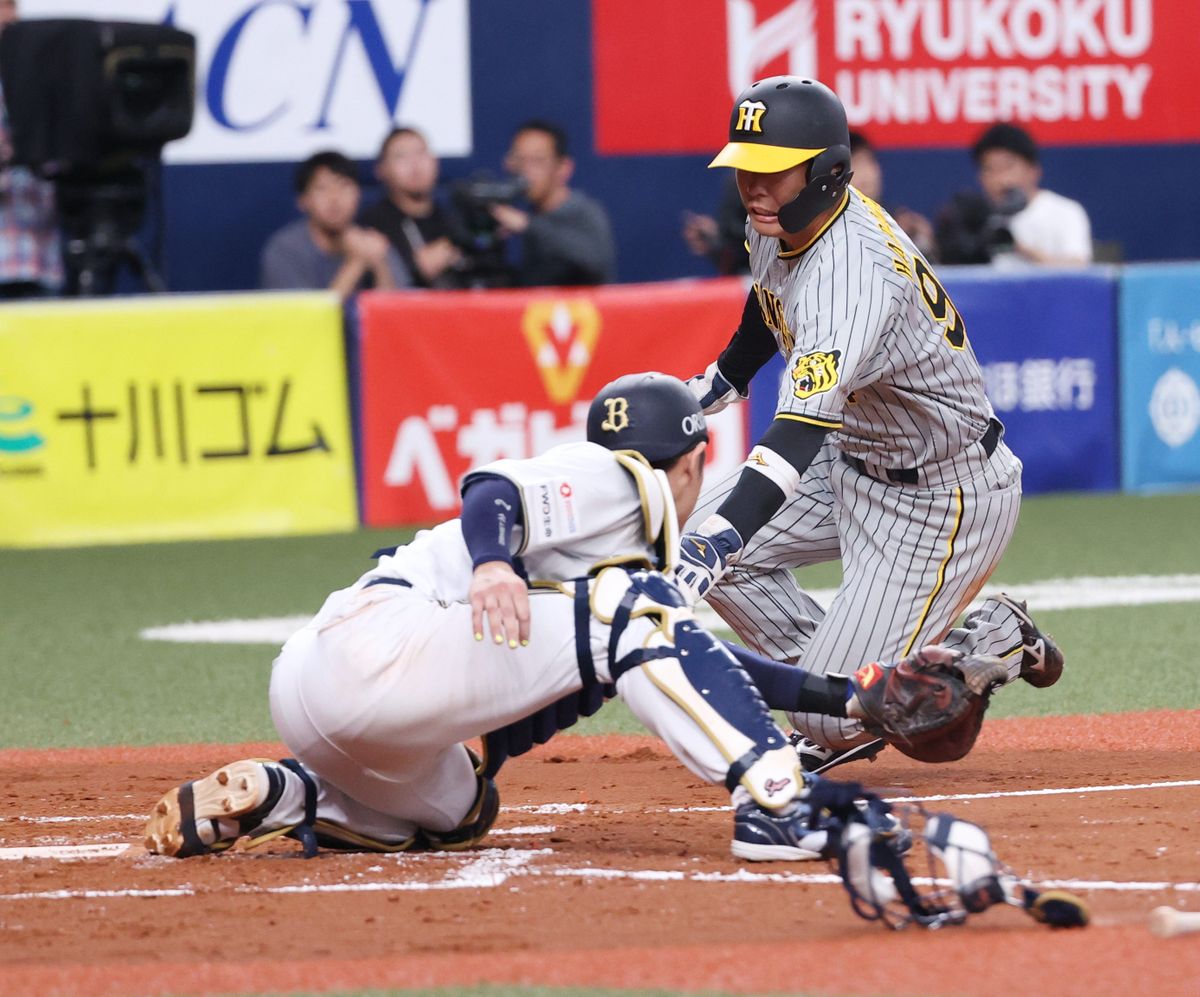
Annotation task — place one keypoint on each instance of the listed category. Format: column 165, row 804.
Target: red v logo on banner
column 562, row 337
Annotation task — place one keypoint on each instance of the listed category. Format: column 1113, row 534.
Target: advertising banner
column 276, row 80
column 173, row 418
column 1047, row 345
column 918, row 73
column 1160, row 375
column 451, row 380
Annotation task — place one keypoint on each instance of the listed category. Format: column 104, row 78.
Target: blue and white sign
column 1046, row 341
column 1160, row 385
column 1047, row 344
column 277, row 80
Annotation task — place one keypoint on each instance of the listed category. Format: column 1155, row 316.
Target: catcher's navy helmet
column 654, row 414
column 781, row 122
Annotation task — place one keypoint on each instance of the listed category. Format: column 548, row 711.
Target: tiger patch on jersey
column 815, row 372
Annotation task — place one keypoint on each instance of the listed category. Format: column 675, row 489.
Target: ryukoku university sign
column 917, row 73
column 278, row 79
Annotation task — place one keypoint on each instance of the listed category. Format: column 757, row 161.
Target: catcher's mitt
column 929, row 705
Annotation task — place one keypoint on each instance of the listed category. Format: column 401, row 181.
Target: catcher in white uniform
column 884, row 452
column 541, row 601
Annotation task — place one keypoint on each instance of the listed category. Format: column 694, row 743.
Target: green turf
column 74, row 671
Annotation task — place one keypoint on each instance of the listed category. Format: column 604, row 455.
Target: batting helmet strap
column 824, row 190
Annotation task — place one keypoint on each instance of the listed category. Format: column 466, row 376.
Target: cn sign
column 915, row 72
column 278, row 79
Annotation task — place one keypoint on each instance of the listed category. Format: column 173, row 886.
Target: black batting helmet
column 781, row 122
column 654, row 414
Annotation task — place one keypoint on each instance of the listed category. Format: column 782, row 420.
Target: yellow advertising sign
column 166, row 418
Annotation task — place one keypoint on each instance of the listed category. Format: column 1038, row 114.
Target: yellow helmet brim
column 758, row 158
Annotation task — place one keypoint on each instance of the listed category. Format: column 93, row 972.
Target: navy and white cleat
column 816, row 758
column 765, row 836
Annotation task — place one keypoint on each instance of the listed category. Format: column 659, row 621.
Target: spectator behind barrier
column 1016, row 222
column 30, row 246
column 722, row 240
column 567, row 237
column 325, row 249
column 421, row 229
column 868, row 178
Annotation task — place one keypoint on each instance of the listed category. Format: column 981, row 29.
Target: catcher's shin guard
column 699, row 675
column 210, row 814
column 473, row 828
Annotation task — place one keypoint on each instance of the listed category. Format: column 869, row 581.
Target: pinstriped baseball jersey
column 877, row 352
column 875, row 347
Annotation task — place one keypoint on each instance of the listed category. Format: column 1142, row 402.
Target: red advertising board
column 451, row 380
column 912, row 73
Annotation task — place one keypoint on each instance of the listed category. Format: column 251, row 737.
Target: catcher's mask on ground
column 785, row 121
column 871, row 861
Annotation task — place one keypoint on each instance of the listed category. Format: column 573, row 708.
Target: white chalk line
column 95, row 850
column 527, row 830
column 495, row 867
column 78, row 818
column 491, row 868
column 1046, row 595
column 580, row 808
column 63, row 853
column 1128, row 787
column 1005, row 794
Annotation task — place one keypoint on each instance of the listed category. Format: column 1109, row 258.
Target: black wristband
column 789, row 687
column 755, row 498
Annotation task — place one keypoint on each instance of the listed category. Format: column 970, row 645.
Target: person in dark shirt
column 420, row 229
column 325, row 249
column 720, row 239
column 567, row 237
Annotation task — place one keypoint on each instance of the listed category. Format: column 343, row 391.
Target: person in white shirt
column 1046, row 228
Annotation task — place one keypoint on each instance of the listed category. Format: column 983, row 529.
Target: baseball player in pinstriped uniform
column 560, row 556
column 884, row 453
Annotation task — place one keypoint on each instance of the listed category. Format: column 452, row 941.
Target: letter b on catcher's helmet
column 781, row 122
column 653, row 414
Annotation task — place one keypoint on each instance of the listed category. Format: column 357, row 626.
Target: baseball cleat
column 816, row 758
column 1042, row 661
column 210, row 814
column 765, row 836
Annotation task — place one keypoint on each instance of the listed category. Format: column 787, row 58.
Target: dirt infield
column 609, row 866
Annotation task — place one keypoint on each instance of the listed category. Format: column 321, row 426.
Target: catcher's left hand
column 929, row 705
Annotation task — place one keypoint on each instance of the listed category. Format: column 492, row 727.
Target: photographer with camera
column 1016, row 222
column 566, row 237
column 422, row 231
column 30, row 247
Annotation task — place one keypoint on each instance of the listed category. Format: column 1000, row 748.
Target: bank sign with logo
column 916, row 73
column 276, row 80
column 1160, row 375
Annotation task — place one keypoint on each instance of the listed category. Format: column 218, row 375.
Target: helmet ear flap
column 823, row 191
